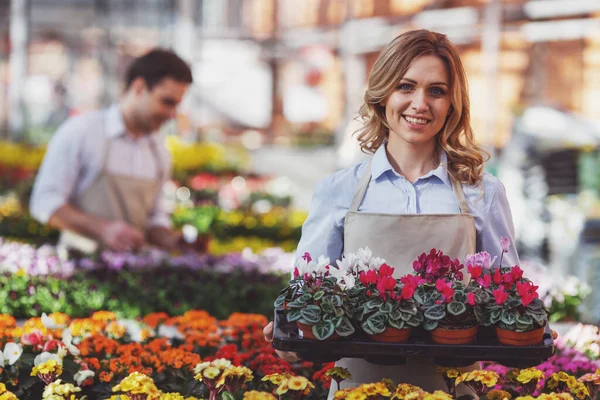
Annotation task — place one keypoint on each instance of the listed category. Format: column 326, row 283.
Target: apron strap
column 459, row 194
column 365, row 178
column 362, row 188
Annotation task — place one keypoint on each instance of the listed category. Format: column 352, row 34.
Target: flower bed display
column 34, row 281
column 195, row 356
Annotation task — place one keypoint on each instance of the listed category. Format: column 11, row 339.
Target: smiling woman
column 423, row 188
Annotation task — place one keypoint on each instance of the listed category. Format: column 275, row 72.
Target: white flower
column 49, row 322
column 12, row 352
column 318, row 266
column 169, row 332
column 221, row 363
column 82, row 375
column 62, row 351
column 1, row 359
column 349, row 281
column 67, row 339
column 201, row 367
column 45, row 356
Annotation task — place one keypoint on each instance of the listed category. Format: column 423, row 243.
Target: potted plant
column 513, row 305
column 450, row 308
column 384, row 307
column 316, row 301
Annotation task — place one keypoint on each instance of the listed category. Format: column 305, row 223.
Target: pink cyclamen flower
column 505, row 243
column 471, row 299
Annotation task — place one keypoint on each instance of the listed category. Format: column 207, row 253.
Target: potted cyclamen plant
column 514, row 306
column 450, row 308
column 385, row 308
column 316, row 301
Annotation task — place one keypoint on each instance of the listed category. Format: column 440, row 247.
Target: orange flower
column 155, row 319
column 105, row 376
column 104, row 317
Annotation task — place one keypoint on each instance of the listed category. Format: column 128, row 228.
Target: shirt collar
column 380, row 165
column 115, row 126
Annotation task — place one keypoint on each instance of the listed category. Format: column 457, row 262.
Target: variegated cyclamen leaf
column 318, row 295
column 304, row 298
column 430, row 325
column 327, row 307
column 311, row 314
column 395, row 315
column 386, row 308
column 337, row 301
column 456, row 308
column 408, row 308
column 459, row 296
column 279, row 301
column 435, row 312
column 294, row 315
column 524, row 319
column 416, row 320
column 345, row 328
column 323, row 330
column 377, row 323
column 397, row 324
column 508, row 318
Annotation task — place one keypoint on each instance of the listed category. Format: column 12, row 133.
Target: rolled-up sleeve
column 56, row 178
column 322, row 235
column 498, row 224
column 160, row 216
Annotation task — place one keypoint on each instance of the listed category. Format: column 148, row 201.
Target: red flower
column 368, row 277
column 385, row 283
column 517, row 273
column 500, row 296
column 407, row 292
column 485, row 281
column 385, row 270
column 475, row 271
column 445, row 288
column 471, row 299
column 527, row 291
column 497, row 277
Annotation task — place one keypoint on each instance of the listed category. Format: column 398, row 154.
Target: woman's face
column 417, row 108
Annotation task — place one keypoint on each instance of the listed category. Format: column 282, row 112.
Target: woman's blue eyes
column 435, row 91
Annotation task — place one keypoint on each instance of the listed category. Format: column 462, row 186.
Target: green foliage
column 133, row 293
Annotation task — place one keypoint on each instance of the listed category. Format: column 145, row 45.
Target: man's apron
column 400, row 239
column 115, row 197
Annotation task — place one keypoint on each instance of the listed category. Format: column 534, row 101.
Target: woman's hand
column 285, row 355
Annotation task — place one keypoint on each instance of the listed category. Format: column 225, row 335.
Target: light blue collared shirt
column 389, row 192
column 75, row 155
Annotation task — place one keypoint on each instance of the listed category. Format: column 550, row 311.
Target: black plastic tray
column 485, row 348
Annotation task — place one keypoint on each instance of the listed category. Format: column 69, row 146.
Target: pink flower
column 35, row 339
column 471, row 299
column 483, row 259
column 505, row 243
column 307, row 257
column 296, row 272
column 385, row 270
column 407, row 292
column 385, row 283
column 517, row 273
column 51, row 345
column 500, row 296
column 527, row 291
column 445, row 288
column 498, row 278
column 475, row 271
column 485, row 281
column 368, row 277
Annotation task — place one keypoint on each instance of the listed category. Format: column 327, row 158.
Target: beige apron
column 400, row 239
column 115, row 197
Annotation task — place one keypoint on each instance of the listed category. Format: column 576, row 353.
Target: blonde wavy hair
column 465, row 158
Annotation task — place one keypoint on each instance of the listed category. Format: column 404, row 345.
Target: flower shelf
column 485, row 348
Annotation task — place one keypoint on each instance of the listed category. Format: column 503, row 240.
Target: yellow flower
column 297, row 383
column 137, row 383
column 437, row 395
column 49, row 367
column 525, row 398
column 579, row 390
column 341, row 394
column 489, row 379
column 498, row 395
column 8, row 396
column 339, row 373
column 172, row 396
column 529, row 374
column 462, row 378
column 116, row 330
column 119, row 397
column 2, row 388
column 405, row 389
column 221, row 363
column 56, row 388
column 255, row 395
column 275, row 379
column 282, row 388
column 356, row 395
column 233, row 372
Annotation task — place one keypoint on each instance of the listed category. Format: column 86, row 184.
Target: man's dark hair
column 157, row 65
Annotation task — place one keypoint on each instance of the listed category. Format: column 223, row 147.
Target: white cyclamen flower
column 12, row 353
column 68, row 342
column 49, row 323
column 45, row 356
column 82, row 375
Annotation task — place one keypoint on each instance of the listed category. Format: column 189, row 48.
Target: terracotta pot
column 307, row 332
column 454, row 336
column 392, row 335
column 513, row 338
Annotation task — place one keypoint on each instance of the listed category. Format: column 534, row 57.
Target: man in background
column 101, row 179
